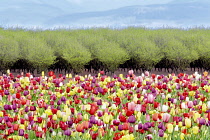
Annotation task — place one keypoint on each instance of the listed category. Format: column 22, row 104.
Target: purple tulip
column 21, row 132
column 90, row 125
column 1, row 119
column 6, row 118
column 29, row 127
column 120, row 127
column 92, row 119
column 14, row 106
column 202, row 121
column 149, row 124
column 26, row 92
column 100, row 113
column 6, row 92
column 195, row 102
column 6, row 107
column 59, row 102
column 70, row 123
column 99, row 102
column 182, row 97
column 160, row 126
column 100, row 90
column 132, row 119
column 58, row 107
column 161, row 133
column 67, row 132
column 63, row 99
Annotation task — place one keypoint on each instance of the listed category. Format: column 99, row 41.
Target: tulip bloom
column 166, row 117
column 195, row 129
column 21, row 132
column 132, row 119
column 131, row 106
column 150, row 98
column 170, row 128
column 161, row 133
column 165, row 108
column 155, row 116
column 188, row 123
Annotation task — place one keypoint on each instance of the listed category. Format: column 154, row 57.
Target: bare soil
column 163, row 72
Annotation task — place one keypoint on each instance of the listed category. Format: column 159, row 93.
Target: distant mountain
column 173, row 14
column 43, row 14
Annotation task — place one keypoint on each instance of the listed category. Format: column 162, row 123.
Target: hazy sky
column 39, row 12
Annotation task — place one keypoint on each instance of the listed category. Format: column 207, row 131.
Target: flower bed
column 102, row 107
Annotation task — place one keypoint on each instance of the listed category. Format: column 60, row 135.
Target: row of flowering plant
column 124, row 107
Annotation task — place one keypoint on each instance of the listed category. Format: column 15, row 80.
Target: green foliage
column 76, row 55
column 106, row 47
column 9, row 52
column 39, row 54
column 110, row 54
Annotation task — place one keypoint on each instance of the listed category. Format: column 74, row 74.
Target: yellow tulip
column 106, row 119
column 138, row 116
column 180, row 124
column 188, row 123
column 192, row 93
column 82, row 78
column 16, row 137
column 127, row 137
column 165, row 135
column 1, row 114
column 170, row 128
column 86, row 117
column 68, row 112
column 64, row 118
column 48, row 112
column 204, row 107
column 21, row 126
column 8, row 71
column 121, row 76
column 172, row 112
column 195, row 129
column 55, row 117
column 95, row 128
column 43, row 73
column 196, row 115
column 72, row 93
column 182, row 136
column 59, row 114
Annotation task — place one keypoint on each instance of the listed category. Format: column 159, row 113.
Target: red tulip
column 18, row 95
column 50, row 73
column 122, row 118
column 16, row 127
column 155, row 116
column 26, row 136
column 79, row 127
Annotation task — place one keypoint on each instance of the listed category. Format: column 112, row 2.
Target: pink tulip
column 148, row 117
column 131, row 106
column 146, row 73
column 190, row 104
column 166, row 117
column 130, row 72
column 138, row 108
column 150, row 98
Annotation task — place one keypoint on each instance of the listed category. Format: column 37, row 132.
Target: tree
column 9, row 52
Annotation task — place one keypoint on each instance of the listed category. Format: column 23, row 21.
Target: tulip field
column 101, row 107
